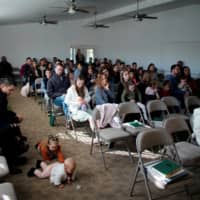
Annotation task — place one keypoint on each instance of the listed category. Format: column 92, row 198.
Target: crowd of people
column 78, row 87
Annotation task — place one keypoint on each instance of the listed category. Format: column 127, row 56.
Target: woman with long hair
column 103, row 93
column 77, row 99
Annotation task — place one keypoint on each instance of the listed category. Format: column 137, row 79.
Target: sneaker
column 31, row 172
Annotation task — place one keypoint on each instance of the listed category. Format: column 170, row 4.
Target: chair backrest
column 172, row 104
column 38, row 80
column 175, row 126
column 38, row 83
column 129, row 108
column 96, row 115
column 156, row 106
column 191, row 102
column 152, row 137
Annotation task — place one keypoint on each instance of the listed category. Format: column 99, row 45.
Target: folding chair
column 189, row 153
column 7, row 191
column 38, row 90
column 173, row 107
column 191, row 102
column 148, row 139
column 157, row 112
column 79, row 123
column 130, row 111
column 107, row 135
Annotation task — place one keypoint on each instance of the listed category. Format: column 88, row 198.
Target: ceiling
column 27, row 11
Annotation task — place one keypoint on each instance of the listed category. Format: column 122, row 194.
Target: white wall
column 35, row 40
column 174, row 35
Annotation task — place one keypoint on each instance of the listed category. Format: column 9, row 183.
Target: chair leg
column 188, row 192
column 129, row 153
column 92, row 144
column 74, row 129
column 146, row 182
column 102, row 154
column 134, row 179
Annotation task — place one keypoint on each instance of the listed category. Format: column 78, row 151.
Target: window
column 88, row 52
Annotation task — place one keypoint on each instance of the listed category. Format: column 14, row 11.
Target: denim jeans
column 59, row 101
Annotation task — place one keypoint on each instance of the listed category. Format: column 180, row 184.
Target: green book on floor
column 167, row 167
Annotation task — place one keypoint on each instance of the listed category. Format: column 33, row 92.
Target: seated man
column 57, row 87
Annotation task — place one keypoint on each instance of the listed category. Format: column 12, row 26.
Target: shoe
column 15, row 171
column 31, row 172
column 38, row 162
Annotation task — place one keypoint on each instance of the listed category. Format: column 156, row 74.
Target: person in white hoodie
column 196, row 125
column 77, row 100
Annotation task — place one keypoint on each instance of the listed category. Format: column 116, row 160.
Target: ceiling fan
column 95, row 25
column 44, row 21
column 140, row 16
column 72, row 7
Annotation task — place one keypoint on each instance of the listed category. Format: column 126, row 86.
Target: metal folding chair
column 189, row 153
column 157, row 112
column 107, row 135
column 148, row 139
column 191, row 102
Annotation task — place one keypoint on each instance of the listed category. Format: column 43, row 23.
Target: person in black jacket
column 12, row 142
column 6, row 68
column 57, row 87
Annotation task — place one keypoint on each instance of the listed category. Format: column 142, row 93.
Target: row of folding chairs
column 184, row 152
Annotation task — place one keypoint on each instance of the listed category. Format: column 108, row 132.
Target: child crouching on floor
column 50, row 149
column 59, row 173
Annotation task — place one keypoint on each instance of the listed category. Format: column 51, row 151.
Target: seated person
column 173, row 78
column 151, row 92
column 57, row 87
column 166, row 89
column 90, row 79
column 59, row 173
column 131, row 93
column 50, row 149
column 103, row 93
column 12, row 142
column 184, row 86
column 77, row 99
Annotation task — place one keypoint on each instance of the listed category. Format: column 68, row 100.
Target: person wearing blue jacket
column 103, row 93
column 57, row 87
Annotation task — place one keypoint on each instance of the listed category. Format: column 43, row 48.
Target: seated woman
column 131, row 93
column 103, row 93
column 90, row 79
column 77, row 99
